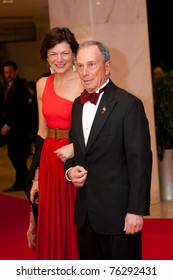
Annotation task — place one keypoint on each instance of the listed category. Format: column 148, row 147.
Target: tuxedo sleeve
column 139, row 158
column 71, row 161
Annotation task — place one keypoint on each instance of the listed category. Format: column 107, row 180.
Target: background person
column 112, row 164
column 2, row 138
column 157, row 72
column 33, row 109
column 15, row 125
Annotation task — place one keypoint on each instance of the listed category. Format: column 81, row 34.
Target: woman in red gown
column 56, row 234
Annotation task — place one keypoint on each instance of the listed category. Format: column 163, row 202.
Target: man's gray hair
column 102, row 48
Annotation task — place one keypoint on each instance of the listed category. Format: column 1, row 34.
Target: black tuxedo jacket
column 118, row 159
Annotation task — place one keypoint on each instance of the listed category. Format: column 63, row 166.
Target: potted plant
column 163, row 108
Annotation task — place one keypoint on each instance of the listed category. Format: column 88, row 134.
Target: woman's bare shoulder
column 41, row 81
column 78, row 81
column 41, row 84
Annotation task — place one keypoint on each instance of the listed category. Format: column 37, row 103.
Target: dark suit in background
column 16, row 124
column 115, row 191
column 2, row 139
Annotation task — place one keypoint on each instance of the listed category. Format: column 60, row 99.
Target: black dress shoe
column 13, row 189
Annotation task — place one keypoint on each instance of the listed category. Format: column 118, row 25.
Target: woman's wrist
column 34, row 180
column 36, row 175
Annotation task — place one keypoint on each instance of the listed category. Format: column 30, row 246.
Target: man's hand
column 133, row 223
column 77, row 175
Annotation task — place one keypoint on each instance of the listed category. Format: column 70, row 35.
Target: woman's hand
column 65, row 152
column 34, row 192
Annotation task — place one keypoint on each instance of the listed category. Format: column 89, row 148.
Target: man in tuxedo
column 16, row 123
column 112, row 164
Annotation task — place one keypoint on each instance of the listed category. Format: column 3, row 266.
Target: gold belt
column 58, row 133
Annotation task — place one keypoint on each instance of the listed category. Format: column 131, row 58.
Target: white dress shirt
column 88, row 114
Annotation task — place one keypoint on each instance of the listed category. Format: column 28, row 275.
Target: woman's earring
column 73, row 65
column 51, row 70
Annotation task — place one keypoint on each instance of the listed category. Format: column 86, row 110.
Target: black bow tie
column 92, row 97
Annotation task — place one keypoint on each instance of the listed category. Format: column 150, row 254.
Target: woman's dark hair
column 55, row 36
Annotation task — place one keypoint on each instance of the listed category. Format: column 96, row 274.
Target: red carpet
column 14, row 217
column 158, row 239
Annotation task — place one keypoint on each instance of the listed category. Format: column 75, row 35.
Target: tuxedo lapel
column 78, row 126
column 105, row 108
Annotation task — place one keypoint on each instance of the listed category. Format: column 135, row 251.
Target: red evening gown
column 56, row 232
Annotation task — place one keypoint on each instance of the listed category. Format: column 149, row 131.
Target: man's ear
column 108, row 66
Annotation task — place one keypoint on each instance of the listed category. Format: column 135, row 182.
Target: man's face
column 9, row 73
column 92, row 70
